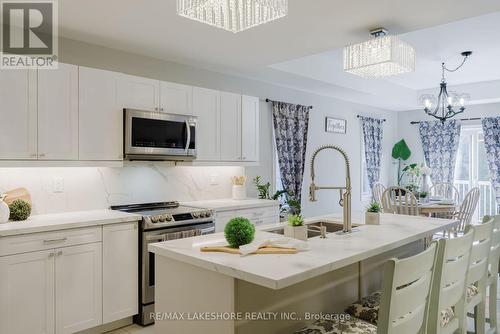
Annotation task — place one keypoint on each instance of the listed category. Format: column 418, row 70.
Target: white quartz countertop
column 277, row 271
column 61, row 221
column 231, row 204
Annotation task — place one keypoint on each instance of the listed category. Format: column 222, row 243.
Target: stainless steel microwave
column 158, row 136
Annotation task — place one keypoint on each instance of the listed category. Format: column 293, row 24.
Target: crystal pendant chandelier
column 447, row 104
column 233, row 15
column 382, row 56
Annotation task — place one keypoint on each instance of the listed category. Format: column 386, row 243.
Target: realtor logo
column 29, row 34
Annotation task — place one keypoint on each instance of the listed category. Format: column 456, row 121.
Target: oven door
column 148, row 261
column 157, row 136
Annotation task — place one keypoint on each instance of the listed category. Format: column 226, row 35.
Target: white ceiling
column 433, row 46
column 313, row 27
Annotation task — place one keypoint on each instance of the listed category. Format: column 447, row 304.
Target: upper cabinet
column 101, row 115
column 206, row 106
column 58, row 113
column 249, row 128
column 75, row 113
column 176, row 98
column 139, row 93
column 230, row 126
column 18, row 126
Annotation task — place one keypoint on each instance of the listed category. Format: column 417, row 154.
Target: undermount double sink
column 331, row 227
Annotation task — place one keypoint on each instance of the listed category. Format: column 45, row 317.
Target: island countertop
column 325, row 255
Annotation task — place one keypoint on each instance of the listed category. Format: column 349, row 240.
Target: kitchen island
column 277, row 293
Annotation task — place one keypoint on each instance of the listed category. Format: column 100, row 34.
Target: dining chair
column 477, row 275
column 377, row 192
column 446, row 190
column 467, row 209
column 404, row 301
column 492, row 283
column 447, row 301
column 399, row 200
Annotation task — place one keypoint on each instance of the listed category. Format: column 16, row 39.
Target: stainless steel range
column 162, row 222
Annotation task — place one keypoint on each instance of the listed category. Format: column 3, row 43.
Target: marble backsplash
column 89, row 188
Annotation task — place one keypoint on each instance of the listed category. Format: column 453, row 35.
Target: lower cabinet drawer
column 259, row 213
column 49, row 240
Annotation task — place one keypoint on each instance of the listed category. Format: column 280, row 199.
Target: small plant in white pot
column 372, row 215
column 296, row 228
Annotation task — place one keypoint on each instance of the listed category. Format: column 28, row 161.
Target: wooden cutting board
column 262, row 250
column 18, row 193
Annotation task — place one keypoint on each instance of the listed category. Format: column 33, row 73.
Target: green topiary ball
column 19, row 210
column 239, row 231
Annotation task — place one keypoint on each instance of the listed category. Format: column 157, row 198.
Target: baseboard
column 108, row 327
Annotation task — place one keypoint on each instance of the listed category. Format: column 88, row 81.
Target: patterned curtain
column 491, row 130
column 290, row 128
column 372, row 135
column 440, row 143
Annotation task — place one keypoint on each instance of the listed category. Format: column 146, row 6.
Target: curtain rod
column 358, row 116
column 268, row 100
column 461, row 119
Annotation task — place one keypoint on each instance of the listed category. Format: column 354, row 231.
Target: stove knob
column 169, row 218
column 195, row 214
column 154, row 219
column 162, row 218
column 209, row 214
column 203, row 214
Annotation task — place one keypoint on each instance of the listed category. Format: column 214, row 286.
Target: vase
column 4, row 212
column 425, row 188
column 239, row 192
column 296, row 232
column 372, row 218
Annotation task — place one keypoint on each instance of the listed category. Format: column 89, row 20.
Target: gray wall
column 330, row 169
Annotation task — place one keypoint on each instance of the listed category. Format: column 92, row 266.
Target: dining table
column 435, row 208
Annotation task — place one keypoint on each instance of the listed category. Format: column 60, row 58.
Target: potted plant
column 288, row 203
column 372, row 215
column 296, row 228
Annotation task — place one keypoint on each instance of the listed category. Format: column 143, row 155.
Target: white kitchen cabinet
column 120, row 271
column 100, row 115
column 139, row 93
column 230, row 126
column 78, row 287
column 249, row 128
column 206, row 106
column 176, row 98
column 18, row 114
column 27, row 293
column 58, row 113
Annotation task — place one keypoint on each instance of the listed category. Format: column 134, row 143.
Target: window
column 471, row 170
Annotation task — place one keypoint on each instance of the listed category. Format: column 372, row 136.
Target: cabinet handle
column 53, row 241
column 161, row 109
column 33, row 155
column 41, row 155
column 51, row 254
column 244, row 158
column 156, row 109
column 59, row 253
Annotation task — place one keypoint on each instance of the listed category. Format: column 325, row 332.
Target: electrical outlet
column 214, row 179
column 58, row 185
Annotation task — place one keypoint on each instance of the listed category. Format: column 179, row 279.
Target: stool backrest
column 399, row 200
column 495, row 246
column 479, row 259
column 448, row 284
column 405, row 293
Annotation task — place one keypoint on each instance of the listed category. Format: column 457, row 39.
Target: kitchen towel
column 282, row 242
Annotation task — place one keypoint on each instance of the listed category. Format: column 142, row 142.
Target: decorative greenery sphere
column 19, row 210
column 239, row 231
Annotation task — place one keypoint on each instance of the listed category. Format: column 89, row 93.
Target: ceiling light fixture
column 382, row 56
column 233, row 15
column 447, row 104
